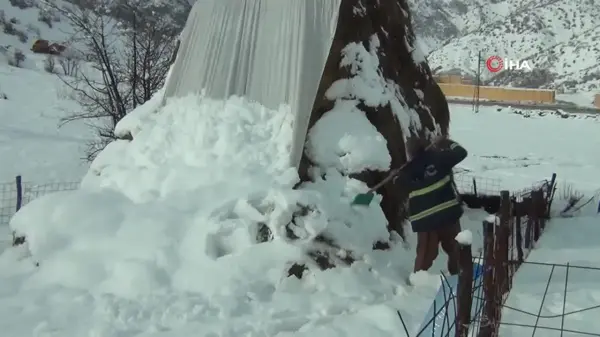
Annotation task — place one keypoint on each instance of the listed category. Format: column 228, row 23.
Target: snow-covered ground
column 583, row 98
column 540, row 289
column 164, row 242
column 161, row 241
column 520, row 149
column 21, row 27
column 31, row 143
column 28, row 27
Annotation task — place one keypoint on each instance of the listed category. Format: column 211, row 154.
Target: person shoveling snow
column 434, row 206
column 433, row 202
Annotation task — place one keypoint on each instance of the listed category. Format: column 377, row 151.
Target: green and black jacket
column 433, row 200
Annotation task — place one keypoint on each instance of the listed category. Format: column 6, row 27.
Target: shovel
column 364, row 199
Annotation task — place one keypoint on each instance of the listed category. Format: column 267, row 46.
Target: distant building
column 455, row 76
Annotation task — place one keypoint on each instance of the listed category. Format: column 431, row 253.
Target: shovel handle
column 393, row 173
column 387, row 179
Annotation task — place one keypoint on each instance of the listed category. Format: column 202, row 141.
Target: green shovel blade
column 363, row 199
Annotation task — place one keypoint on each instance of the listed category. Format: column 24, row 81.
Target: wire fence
column 477, row 306
column 522, row 320
column 17, row 194
column 469, row 184
column 481, row 300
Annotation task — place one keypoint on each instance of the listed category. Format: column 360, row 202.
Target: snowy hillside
column 555, row 36
column 22, row 22
column 439, row 21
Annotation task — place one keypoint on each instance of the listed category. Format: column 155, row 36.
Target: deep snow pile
column 200, row 205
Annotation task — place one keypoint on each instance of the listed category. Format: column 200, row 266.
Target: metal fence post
column 19, row 193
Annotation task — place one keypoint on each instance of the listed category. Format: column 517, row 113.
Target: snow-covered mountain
column 556, row 38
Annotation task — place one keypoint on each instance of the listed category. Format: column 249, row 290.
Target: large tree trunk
column 399, row 63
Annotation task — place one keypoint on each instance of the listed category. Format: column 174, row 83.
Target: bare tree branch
column 127, row 46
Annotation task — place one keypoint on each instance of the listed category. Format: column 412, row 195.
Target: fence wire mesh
column 442, row 323
column 16, row 194
column 468, row 183
column 539, row 302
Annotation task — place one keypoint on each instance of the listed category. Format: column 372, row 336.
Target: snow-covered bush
column 50, row 64
column 11, row 29
column 48, row 15
column 573, row 202
column 23, row 4
column 34, row 30
column 16, row 58
column 45, row 18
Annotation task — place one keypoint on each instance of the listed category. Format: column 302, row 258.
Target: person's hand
column 436, row 141
column 440, row 138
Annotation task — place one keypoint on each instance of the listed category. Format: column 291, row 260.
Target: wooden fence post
column 487, row 327
column 519, row 236
column 18, row 240
column 19, row 193
column 550, row 196
column 502, row 239
column 528, row 205
column 465, row 290
column 542, row 209
column 535, row 214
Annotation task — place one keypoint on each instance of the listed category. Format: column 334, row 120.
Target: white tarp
column 270, row 51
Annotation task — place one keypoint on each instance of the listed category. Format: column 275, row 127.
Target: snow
column 28, row 28
column 465, row 238
column 418, row 53
column 352, row 149
column 556, row 36
column 161, row 240
column 248, row 33
column 369, row 87
column 28, row 23
column 571, row 243
column 520, row 148
column 161, row 159
column 492, row 219
column 31, row 144
column 585, row 99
